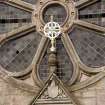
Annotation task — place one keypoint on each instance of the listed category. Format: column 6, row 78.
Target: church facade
column 52, row 52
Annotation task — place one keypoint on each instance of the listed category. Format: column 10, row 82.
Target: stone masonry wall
column 92, row 95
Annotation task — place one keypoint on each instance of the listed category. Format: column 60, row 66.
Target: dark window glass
column 12, row 18
column 17, row 54
column 58, row 12
column 90, row 46
column 64, row 67
column 94, row 13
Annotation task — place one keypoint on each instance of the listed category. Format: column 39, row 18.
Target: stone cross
column 52, row 30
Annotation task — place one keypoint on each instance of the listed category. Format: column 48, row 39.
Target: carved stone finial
column 52, row 61
column 52, row 30
column 52, row 18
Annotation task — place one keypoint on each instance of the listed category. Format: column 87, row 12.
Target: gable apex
column 48, row 94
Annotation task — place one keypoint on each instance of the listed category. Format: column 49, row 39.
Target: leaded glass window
column 12, row 18
column 22, row 43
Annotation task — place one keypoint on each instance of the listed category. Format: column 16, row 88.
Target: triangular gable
column 63, row 96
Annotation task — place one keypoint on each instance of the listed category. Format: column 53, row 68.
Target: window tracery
column 90, row 36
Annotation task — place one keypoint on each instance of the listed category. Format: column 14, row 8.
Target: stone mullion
column 37, row 59
column 90, row 26
column 83, row 3
column 13, row 33
column 87, row 82
column 21, row 4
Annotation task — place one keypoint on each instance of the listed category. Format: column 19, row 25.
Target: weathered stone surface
column 10, row 95
column 93, row 95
